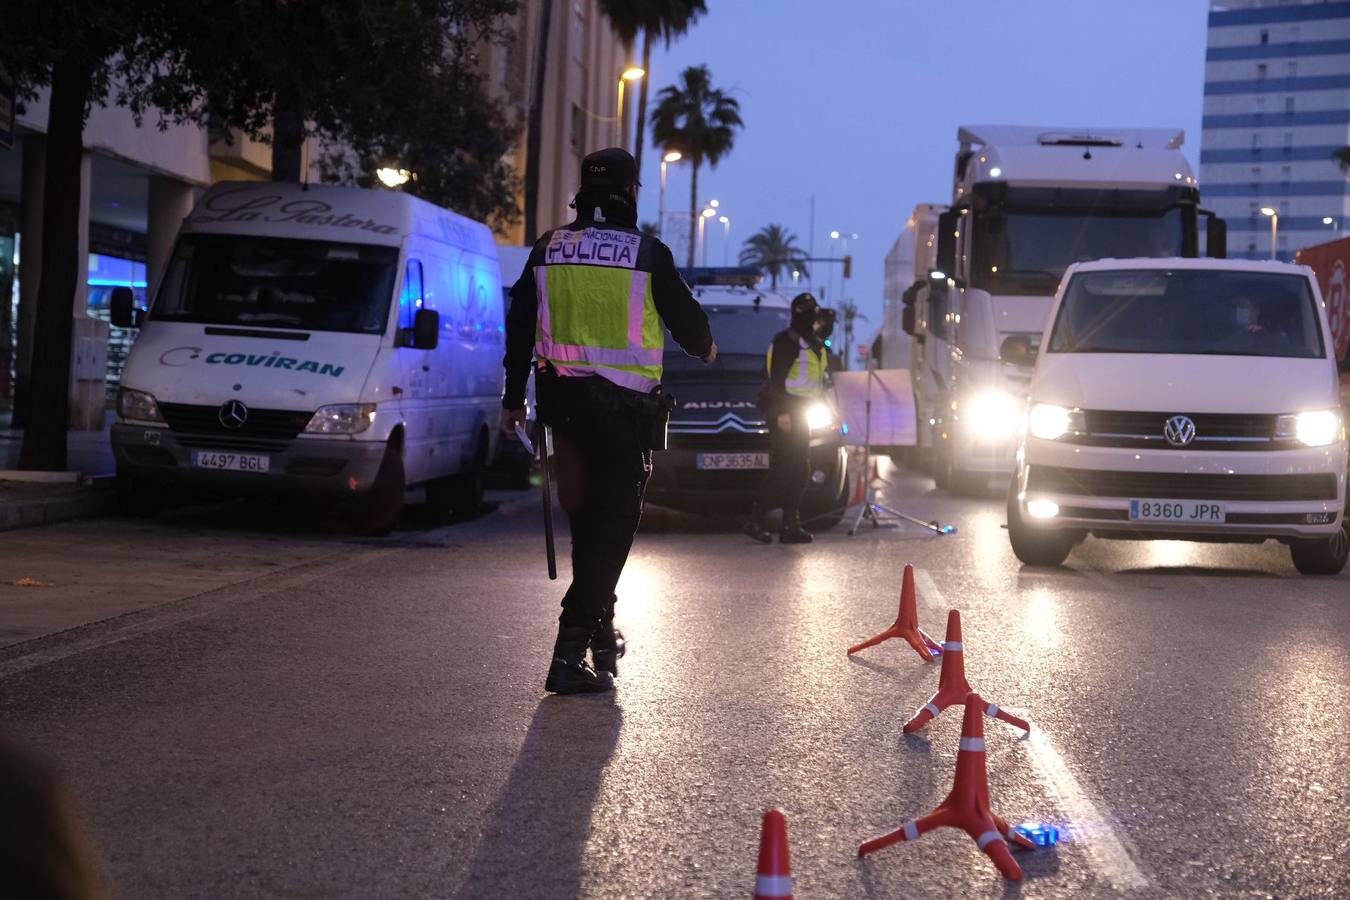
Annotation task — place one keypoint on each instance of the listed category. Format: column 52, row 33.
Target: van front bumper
column 303, row 466
column 1283, row 494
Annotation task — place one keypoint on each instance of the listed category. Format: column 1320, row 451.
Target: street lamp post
column 632, row 73
column 708, row 212
column 726, row 238
column 1333, row 223
column 843, row 237
column 672, row 156
column 1274, row 230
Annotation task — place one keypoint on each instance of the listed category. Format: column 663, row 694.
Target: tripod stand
column 872, row 509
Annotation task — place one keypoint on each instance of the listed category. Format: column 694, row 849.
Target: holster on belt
column 556, row 396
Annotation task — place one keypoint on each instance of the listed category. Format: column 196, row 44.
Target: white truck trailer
column 1026, row 203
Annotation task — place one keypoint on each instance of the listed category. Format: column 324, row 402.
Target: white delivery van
column 1183, row 399
column 320, row 341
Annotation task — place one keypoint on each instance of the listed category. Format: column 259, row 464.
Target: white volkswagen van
column 320, row 341
column 1186, row 399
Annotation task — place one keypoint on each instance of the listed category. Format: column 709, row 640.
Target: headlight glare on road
column 341, row 418
column 819, row 417
column 137, row 406
column 993, row 415
column 1317, row 428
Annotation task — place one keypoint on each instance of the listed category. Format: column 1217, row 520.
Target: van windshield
column 743, row 335
column 1188, row 311
column 222, row 279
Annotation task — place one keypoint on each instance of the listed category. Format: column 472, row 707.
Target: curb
column 31, row 514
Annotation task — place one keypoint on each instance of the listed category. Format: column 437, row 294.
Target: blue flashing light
column 844, row 428
column 1039, row 833
column 828, row 343
column 100, row 282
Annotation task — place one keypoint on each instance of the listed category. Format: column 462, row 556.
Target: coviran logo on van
column 593, row 246
column 246, row 205
column 273, row 361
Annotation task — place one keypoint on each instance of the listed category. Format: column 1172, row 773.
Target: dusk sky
column 857, row 102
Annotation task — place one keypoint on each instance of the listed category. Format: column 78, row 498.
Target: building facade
column 580, row 101
column 1277, row 107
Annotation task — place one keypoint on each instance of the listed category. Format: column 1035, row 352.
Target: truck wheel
column 1323, row 557
column 377, row 512
column 1036, row 546
column 138, row 497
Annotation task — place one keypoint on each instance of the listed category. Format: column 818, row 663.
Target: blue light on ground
column 1039, row 833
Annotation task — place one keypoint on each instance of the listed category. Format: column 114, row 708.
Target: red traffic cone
column 773, row 881
column 967, row 806
column 952, row 685
column 906, row 625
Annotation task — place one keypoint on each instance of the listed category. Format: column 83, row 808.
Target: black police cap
column 804, row 302
column 611, row 169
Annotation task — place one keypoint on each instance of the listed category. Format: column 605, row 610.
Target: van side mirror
column 1016, row 350
column 122, row 308
column 1216, row 237
column 426, row 330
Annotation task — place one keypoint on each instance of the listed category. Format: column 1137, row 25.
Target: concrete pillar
column 170, row 202
column 34, row 148
column 89, row 344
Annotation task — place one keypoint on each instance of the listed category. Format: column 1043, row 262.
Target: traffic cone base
column 967, row 806
column 773, row 877
column 953, row 688
column 906, row 625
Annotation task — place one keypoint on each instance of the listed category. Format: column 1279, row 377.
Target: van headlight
column 341, row 418
column 1316, row 428
column 1050, row 422
column 137, row 406
column 992, row 415
column 819, row 417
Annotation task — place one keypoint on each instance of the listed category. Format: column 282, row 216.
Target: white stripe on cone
column 932, row 709
column 972, row 745
column 987, row 838
column 911, row 831
column 773, row 886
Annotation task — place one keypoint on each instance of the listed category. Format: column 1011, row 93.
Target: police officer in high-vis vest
column 796, row 365
column 589, row 310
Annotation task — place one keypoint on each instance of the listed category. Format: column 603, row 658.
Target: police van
column 316, row 341
column 718, row 451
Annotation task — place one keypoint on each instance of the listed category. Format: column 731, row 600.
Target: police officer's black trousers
column 789, row 466
column 602, row 474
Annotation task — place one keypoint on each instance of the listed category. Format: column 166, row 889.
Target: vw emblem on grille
column 1179, row 431
column 233, row 414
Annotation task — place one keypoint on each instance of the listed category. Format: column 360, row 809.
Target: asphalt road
column 322, row 716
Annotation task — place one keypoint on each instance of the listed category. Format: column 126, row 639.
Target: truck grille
column 1181, row 485
column 266, row 430
column 1213, row 431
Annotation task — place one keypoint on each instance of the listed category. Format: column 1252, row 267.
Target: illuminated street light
column 673, row 156
column 632, row 73
column 707, row 213
column 670, row 157
column 393, row 178
column 1274, row 230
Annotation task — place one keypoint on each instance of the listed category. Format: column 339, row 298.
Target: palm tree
column 1342, row 157
column 773, row 249
column 667, row 19
column 848, row 311
column 699, row 120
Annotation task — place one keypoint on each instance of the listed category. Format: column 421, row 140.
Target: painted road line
column 1108, row 851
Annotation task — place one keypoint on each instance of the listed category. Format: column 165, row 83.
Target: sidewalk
column 24, row 504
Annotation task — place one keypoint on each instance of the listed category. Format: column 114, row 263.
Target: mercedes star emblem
column 1179, row 431
column 233, row 414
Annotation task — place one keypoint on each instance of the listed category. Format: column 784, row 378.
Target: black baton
column 545, row 438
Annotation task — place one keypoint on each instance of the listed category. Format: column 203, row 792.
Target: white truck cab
column 1027, row 203
column 317, row 341
column 1185, row 399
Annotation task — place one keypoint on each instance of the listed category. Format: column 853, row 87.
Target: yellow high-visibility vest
column 806, row 378
column 596, row 312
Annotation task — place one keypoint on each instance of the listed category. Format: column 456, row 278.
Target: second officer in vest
column 591, row 309
column 796, row 364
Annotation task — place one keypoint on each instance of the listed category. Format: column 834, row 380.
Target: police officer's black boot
column 755, row 529
column 570, row 673
column 607, row 647
column 793, row 532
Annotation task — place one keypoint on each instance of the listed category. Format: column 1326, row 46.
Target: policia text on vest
column 588, row 316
